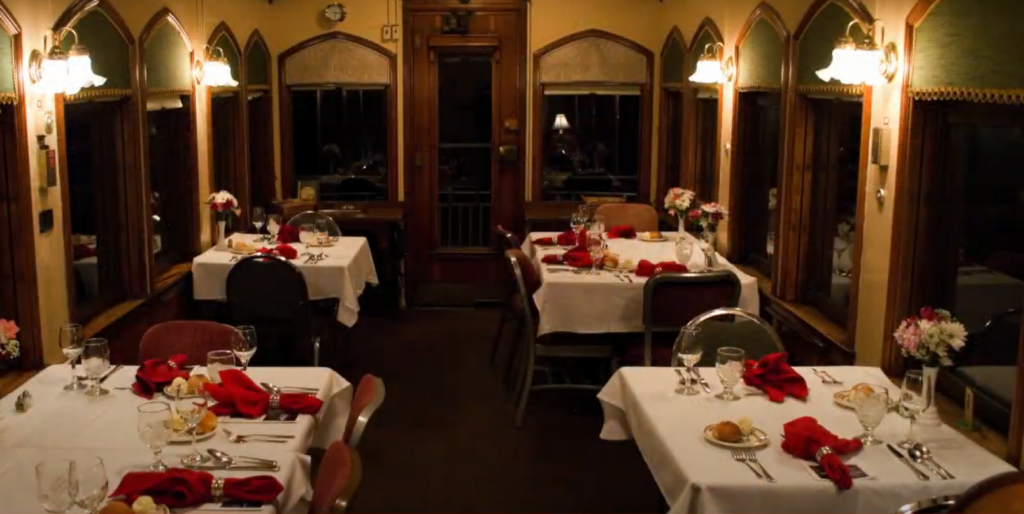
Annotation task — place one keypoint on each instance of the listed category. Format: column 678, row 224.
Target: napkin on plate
column 288, row 234
column 567, row 238
column 156, row 374
column 646, row 268
column 238, row 394
column 775, row 377
column 180, row 488
column 805, row 436
column 575, row 258
column 621, row 231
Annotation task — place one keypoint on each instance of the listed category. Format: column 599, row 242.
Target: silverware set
column 314, row 258
column 222, row 461
column 922, row 455
column 257, row 438
column 694, row 375
column 825, row 377
column 749, row 458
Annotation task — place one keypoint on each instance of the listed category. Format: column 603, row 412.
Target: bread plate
column 842, row 398
column 756, row 439
column 646, row 237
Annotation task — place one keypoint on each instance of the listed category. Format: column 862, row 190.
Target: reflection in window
column 340, row 139
column 170, row 130
column 595, row 146
column 707, row 145
column 758, row 126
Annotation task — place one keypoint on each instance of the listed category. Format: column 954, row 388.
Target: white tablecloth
column 66, row 421
column 343, row 275
column 586, row 304
column 696, row 476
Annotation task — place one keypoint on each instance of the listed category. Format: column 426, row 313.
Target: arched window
column 703, row 118
column 230, row 151
column 673, row 83
column 259, row 109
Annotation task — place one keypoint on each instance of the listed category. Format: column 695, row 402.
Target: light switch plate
column 395, row 32
column 385, row 33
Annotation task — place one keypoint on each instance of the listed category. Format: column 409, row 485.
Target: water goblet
column 92, row 483
column 259, row 218
column 217, row 361
column 244, row 344
column 871, row 403
column 684, row 250
column 595, row 245
column 96, row 361
column 56, row 485
column 154, row 427
column 70, row 340
column 273, row 226
column 914, row 399
column 689, row 349
column 191, row 411
column 729, row 365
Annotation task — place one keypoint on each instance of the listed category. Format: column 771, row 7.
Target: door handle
column 508, row 153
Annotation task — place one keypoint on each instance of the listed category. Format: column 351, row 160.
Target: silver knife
column 703, row 383
column 920, row 474
column 238, row 467
column 111, row 372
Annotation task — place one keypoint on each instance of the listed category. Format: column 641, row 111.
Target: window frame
column 668, row 178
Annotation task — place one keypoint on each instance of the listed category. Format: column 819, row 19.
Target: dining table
column 610, row 302
column 343, row 272
column 697, row 475
column 69, row 424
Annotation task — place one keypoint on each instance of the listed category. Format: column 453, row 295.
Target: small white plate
column 842, row 398
column 318, row 245
column 648, row 239
column 241, row 252
column 187, row 439
column 756, row 439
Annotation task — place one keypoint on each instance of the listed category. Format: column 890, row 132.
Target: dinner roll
column 116, row 507
column 728, row 432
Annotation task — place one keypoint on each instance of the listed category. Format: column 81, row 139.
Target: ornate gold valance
column 593, row 60
column 8, row 98
column 337, row 61
column 98, row 93
column 830, row 89
column 759, row 88
column 760, row 59
column 818, row 41
column 988, row 96
column 168, row 91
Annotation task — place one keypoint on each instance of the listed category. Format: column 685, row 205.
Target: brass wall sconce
column 866, row 63
column 711, row 69
column 212, row 70
column 57, row 71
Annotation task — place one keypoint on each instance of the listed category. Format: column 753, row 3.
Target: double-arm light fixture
column 57, row 71
column 864, row 63
column 711, row 69
column 212, row 70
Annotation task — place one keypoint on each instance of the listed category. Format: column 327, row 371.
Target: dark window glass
column 170, row 130
column 707, row 146
column 758, row 216
column 600, row 152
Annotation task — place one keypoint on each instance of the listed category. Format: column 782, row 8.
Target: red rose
column 695, row 214
column 716, row 216
column 929, row 314
column 229, row 203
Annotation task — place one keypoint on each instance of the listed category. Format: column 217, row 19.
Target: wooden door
column 465, row 106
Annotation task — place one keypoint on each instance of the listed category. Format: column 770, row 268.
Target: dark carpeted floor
column 445, row 438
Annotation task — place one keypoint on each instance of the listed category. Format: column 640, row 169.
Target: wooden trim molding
column 285, row 106
column 646, row 109
column 240, row 147
column 666, row 177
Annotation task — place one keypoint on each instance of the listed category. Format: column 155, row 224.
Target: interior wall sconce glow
column 711, row 69
column 57, row 71
column 561, row 123
column 866, row 63
column 213, row 71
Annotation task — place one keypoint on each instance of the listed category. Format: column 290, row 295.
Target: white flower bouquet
column 931, row 336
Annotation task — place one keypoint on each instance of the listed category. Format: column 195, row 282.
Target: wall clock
column 335, row 12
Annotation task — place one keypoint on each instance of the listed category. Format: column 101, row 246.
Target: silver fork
column 826, row 378
column 738, row 456
column 752, row 457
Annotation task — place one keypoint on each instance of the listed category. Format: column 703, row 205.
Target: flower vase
column 682, row 225
column 930, row 417
column 710, row 254
column 222, row 240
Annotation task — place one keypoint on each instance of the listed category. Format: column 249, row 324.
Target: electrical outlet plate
column 385, row 33
column 395, row 32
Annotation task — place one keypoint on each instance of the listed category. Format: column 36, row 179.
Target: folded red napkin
column 237, row 394
column 575, row 258
column 156, row 374
column 567, row 238
column 646, row 268
column 288, row 234
column 180, row 488
column 284, row 250
column 804, row 437
column 775, row 377
column 621, row 231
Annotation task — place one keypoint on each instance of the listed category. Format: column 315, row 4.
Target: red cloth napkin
column 284, row 250
column 156, row 374
column 567, row 238
column 575, row 258
column 288, row 234
column 621, row 231
column 775, row 377
column 804, row 437
column 646, row 268
column 237, row 394
column 180, row 488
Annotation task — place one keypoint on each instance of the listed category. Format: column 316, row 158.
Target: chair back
column 523, row 272
column 311, row 217
column 269, row 293
column 1003, row 493
column 936, row 505
column 367, row 399
column 337, row 480
column 640, row 216
column 671, row 300
column 508, row 239
column 192, row 338
column 731, row 326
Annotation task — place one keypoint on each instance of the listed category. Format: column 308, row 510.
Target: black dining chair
column 269, row 293
column 509, row 310
column 731, row 326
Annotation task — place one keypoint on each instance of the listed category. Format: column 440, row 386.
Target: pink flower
column 671, row 212
column 10, row 329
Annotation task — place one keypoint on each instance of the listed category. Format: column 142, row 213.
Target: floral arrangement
column 709, row 215
column 223, row 204
column 931, row 336
column 9, row 346
column 678, row 200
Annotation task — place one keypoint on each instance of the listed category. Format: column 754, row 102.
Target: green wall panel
column 107, row 48
column 230, row 52
column 257, row 65
column 761, row 56
column 705, row 38
column 673, row 64
column 6, row 63
column 167, row 59
column 817, row 43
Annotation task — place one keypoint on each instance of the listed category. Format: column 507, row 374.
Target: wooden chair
column 671, row 300
column 337, row 480
column 640, row 216
column 508, row 309
column 192, row 338
column 527, row 282
column 311, row 217
column 367, row 399
column 999, row 494
column 740, row 329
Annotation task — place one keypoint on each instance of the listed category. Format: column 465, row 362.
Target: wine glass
column 70, row 340
column 244, row 344
column 96, row 360
column 578, row 221
column 191, row 411
column 914, row 399
column 595, row 244
column 154, row 426
column 872, row 404
column 259, row 218
column 689, row 350
column 684, row 250
column 729, row 365
column 217, row 361
column 598, row 226
column 56, row 485
column 92, row 483
column 273, row 226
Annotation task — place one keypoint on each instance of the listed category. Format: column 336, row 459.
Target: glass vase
column 930, row 417
column 222, row 240
column 710, row 238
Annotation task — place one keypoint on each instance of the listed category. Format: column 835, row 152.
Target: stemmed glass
column 92, row 483
column 70, row 339
column 96, row 360
column 56, row 485
column 259, row 218
column 689, row 350
column 871, row 403
column 244, row 344
column 322, row 236
column 273, row 226
column 191, row 411
column 729, row 365
column 217, row 361
column 577, row 221
column 154, row 426
column 914, row 399
column 684, row 250
column 595, row 244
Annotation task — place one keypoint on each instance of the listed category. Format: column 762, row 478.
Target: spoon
column 916, row 456
column 230, row 461
column 926, row 454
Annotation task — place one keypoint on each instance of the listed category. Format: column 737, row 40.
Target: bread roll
column 195, row 383
column 728, row 432
column 116, row 507
column 208, row 423
column 654, row 235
